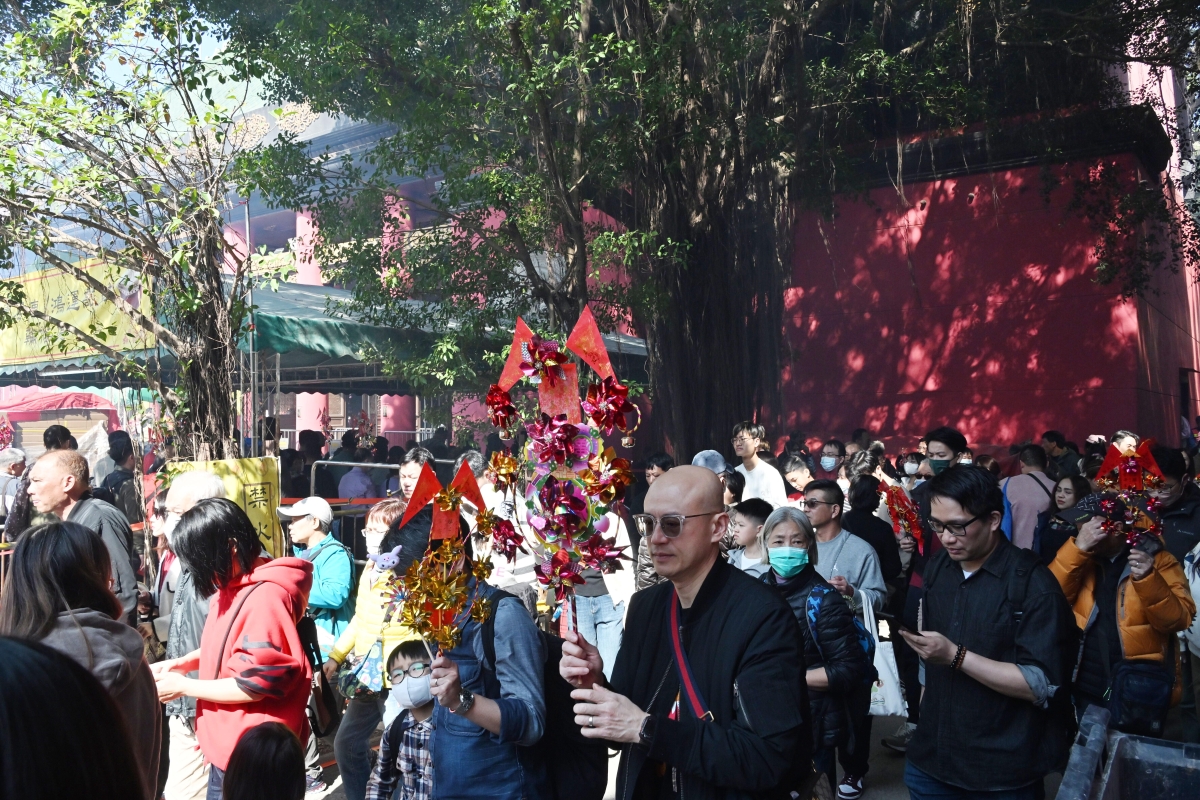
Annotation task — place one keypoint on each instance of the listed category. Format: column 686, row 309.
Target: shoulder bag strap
column 232, row 619
column 686, row 679
column 1042, row 486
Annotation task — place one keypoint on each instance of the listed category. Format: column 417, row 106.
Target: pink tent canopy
column 26, row 403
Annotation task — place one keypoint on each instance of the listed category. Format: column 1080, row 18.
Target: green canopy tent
column 299, row 346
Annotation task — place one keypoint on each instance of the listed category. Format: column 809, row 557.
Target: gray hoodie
column 112, row 652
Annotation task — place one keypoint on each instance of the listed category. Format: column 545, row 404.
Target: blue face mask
column 828, row 463
column 787, row 561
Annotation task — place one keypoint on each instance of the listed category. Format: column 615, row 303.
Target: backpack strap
column 232, row 619
column 488, row 634
column 1018, row 581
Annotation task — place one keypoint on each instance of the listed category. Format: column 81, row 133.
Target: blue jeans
column 922, row 786
column 602, row 624
column 351, row 745
column 216, row 783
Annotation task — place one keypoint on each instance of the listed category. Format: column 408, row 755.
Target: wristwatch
column 646, row 732
column 466, row 701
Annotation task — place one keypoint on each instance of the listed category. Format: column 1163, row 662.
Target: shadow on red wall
column 973, row 305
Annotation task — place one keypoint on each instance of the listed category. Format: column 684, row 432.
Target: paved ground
column 884, row 782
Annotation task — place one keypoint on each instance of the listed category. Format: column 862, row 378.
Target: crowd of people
column 739, row 656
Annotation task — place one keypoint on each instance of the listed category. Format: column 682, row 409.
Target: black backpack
column 577, row 766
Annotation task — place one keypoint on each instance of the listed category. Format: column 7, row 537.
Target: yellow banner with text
column 252, row 483
column 69, row 300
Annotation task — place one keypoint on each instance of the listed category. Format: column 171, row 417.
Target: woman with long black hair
column 61, row 734
column 57, row 593
column 251, row 662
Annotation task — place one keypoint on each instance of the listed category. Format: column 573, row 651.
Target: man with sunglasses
column 706, row 698
column 998, row 642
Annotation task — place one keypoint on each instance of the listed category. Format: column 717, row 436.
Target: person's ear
column 994, row 520
column 720, row 526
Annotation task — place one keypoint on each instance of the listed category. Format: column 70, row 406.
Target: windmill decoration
column 436, row 588
column 572, row 480
column 1127, row 478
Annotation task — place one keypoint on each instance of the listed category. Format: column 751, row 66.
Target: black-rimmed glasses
column 952, row 528
column 414, row 670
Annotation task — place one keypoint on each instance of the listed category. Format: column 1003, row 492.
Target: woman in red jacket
column 251, row 664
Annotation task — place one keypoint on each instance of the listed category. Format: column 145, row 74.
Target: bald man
column 729, row 718
column 58, row 484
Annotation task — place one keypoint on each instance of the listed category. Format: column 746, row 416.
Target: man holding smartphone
column 997, row 640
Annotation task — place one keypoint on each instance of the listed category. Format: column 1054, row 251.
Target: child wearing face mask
column 404, row 760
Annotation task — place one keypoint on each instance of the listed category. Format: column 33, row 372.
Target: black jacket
column 836, row 649
column 745, row 650
column 1181, row 523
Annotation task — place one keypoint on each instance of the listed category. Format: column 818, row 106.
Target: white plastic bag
column 887, row 700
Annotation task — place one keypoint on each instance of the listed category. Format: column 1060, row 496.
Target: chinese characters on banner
column 61, row 296
column 252, row 483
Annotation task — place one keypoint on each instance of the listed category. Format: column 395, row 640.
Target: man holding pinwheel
column 705, row 699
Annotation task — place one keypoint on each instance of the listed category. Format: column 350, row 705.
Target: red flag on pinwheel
column 437, row 585
column 1133, row 471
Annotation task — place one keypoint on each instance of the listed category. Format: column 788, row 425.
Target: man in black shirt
column 730, row 718
column 997, row 640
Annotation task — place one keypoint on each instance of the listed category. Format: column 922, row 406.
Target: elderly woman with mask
column 836, row 667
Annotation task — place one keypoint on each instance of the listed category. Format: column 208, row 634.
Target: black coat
column 836, row 649
column 1181, row 523
column 746, row 651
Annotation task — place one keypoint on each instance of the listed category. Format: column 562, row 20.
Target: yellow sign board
column 252, row 483
column 65, row 298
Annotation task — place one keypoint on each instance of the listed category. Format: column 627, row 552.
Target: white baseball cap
column 315, row 507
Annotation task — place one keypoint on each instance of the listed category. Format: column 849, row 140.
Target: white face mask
column 374, row 539
column 169, row 526
column 413, row 692
column 910, row 468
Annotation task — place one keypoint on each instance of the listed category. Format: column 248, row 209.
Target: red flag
column 512, row 367
column 586, row 342
column 426, row 489
column 562, row 396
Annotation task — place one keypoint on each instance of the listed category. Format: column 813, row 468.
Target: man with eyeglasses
column 851, row 566
column 762, row 479
column 998, row 642
column 707, row 699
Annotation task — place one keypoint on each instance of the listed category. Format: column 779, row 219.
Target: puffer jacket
column 835, row 648
column 1149, row 611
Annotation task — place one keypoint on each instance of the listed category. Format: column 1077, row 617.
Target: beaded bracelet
column 959, row 656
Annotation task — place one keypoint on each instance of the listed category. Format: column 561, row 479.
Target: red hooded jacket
column 262, row 653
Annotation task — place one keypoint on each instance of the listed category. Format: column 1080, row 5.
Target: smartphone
column 909, row 631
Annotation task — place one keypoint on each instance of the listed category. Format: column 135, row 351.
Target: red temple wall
column 973, row 304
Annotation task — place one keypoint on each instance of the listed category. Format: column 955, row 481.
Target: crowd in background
column 1014, row 602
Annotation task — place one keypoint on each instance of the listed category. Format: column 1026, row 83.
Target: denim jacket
column 507, row 764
